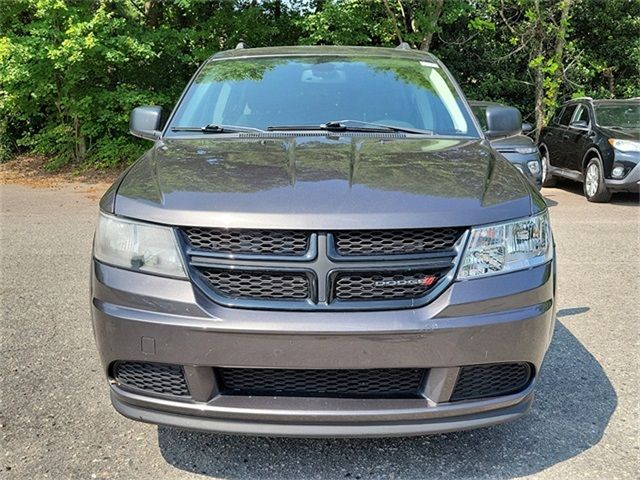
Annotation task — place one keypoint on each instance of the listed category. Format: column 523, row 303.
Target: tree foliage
column 71, row 71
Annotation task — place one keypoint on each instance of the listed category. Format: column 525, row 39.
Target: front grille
column 319, row 270
column 395, row 242
column 370, row 383
column 153, row 377
column 253, row 242
column 257, row 284
column 383, row 286
column 483, row 381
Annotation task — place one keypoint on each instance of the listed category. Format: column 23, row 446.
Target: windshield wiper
column 211, row 128
column 350, row 126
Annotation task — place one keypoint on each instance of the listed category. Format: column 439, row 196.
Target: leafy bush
column 72, row 70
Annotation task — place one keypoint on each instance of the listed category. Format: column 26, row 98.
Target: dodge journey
column 322, row 242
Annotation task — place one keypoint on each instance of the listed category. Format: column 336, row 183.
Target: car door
column 576, row 138
column 554, row 138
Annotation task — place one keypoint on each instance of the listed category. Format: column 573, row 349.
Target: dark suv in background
column 518, row 148
column 596, row 142
column 322, row 242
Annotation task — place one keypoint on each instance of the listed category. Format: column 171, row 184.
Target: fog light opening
column 617, row 172
column 534, row 167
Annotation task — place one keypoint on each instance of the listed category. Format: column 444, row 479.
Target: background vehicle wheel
column 594, row 187
column 548, row 180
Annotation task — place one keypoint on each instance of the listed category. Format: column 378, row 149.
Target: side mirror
column 527, row 127
column 580, row 124
column 145, row 122
column 503, row 121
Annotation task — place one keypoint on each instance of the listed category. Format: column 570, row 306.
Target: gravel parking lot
column 56, row 420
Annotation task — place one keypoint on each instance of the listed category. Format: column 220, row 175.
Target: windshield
column 267, row 92
column 621, row 116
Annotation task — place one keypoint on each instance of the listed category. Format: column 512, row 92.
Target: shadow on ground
column 574, row 403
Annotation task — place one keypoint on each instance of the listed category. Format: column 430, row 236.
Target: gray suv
column 322, row 242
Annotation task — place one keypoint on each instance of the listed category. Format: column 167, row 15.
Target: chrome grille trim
column 321, row 269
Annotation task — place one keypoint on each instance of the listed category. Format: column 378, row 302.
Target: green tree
column 72, row 70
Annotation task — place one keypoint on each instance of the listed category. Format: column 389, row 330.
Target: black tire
column 594, row 187
column 548, row 180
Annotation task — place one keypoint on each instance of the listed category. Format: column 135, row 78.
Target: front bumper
column 506, row 318
column 521, row 160
column 631, row 182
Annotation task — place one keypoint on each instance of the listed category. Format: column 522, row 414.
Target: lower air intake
column 159, row 378
column 370, row 383
column 485, row 381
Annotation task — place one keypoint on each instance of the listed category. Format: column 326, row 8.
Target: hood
column 323, row 182
column 511, row 143
column 622, row 133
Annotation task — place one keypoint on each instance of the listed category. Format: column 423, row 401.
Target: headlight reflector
column 507, row 247
column 526, row 150
column 137, row 246
column 625, row 145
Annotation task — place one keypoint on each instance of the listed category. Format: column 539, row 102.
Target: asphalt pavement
column 56, row 420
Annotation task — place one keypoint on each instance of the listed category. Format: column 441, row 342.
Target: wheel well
column 543, row 148
column 592, row 153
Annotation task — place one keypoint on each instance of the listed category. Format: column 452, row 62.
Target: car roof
column 614, row 101
column 480, row 103
column 603, row 101
column 339, row 51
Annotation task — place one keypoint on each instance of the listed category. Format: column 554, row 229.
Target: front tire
column 548, row 180
column 594, row 187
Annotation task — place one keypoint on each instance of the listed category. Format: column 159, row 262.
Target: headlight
column 137, row 246
column 625, row 145
column 527, row 150
column 507, row 247
column 534, row 167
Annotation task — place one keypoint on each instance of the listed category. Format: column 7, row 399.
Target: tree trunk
column 153, row 10
column 436, row 10
column 81, row 141
column 539, row 73
column 561, row 40
column 608, row 73
column 393, row 19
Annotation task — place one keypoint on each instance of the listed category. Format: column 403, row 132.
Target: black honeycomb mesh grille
column 483, row 381
column 384, row 286
column 370, row 383
column 395, row 242
column 256, row 242
column 257, row 284
column 154, row 377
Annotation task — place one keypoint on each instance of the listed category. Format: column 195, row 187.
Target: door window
column 565, row 118
column 556, row 116
column 581, row 115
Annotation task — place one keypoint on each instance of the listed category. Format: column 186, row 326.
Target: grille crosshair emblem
column 330, row 274
column 427, row 281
